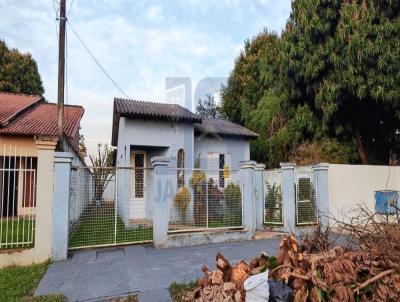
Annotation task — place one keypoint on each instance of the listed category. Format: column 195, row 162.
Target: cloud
column 155, row 13
column 139, row 44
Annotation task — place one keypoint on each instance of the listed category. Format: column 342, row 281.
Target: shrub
column 233, row 198
column 182, row 200
column 198, row 184
column 215, row 196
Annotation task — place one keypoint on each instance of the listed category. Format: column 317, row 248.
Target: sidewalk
column 94, row 275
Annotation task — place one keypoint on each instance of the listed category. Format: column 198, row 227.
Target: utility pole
column 61, row 76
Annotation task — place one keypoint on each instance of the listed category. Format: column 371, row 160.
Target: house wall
column 350, row 185
column 24, row 143
column 239, row 149
column 136, row 132
column 157, row 138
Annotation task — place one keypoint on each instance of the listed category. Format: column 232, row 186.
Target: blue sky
column 139, row 43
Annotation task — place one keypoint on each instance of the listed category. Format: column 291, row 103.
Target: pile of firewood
column 225, row 283
column 337, row 274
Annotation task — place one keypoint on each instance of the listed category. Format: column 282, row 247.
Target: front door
column 138, row 185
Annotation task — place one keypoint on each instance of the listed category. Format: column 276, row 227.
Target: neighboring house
column 25, row 120
column 142, row 130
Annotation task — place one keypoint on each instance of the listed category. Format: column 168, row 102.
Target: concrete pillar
column 62, row 171
column 160, row 204
column 322, row 187
column 260, row 195
column 248, row 193
column 44, row 198
column 288, row 197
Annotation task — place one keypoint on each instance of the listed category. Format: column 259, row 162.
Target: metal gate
column 273, row 212
column 110, row 206
column 17, row 198
column 306, row 204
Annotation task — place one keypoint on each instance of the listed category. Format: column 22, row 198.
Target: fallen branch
column 372, row 280
column 280, row 266
column 305, row 278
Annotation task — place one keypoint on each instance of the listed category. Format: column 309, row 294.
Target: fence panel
column 306, row 207
column 17, row 198
column 201, row 200
column 110, row 206
column 273, row 212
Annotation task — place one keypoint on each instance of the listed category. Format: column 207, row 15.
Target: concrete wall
column 350, row 185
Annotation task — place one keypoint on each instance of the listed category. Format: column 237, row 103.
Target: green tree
column 18, row 72
column 207, row 107
column 330, row 83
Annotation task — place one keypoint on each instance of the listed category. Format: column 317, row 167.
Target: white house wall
column 239, row 149
column 157, row 138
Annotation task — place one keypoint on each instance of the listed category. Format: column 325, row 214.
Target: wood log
column 224, row 265
column 240, row 273
column 229, row 287
column 217, row 277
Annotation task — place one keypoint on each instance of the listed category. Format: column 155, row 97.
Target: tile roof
column 12, row 104
column 223, row 127
column 37, row 118
column 163, row 111
column 174, row 112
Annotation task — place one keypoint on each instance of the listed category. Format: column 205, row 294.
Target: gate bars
column 17, row 198
column 200, row 200
column 105, row 209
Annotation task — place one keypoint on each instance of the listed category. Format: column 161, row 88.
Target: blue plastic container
column 385, row 201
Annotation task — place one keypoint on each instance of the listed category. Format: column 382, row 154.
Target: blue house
column 142, row 130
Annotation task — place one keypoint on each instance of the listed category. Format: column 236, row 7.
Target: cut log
column 224, row 265
column 240, row 273
column 217, row 277
column 229, row 287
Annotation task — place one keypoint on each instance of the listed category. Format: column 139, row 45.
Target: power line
column 55, row 20
column 70, row 6
column 96, row 61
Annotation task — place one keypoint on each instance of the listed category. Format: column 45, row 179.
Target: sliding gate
column 110, row 206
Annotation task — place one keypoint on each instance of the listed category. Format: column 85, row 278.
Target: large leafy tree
column 207, row 107
column 330, row 86
column 18, row 72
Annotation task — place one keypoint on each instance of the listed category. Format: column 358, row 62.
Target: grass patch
column 222, row 224
column 19, row 283
column 97, row 227
column 17, row 230
column 178, row 290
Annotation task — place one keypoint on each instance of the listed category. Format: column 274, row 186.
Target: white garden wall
column 350, row 185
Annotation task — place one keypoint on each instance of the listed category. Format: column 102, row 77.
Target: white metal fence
column 204, row 200
column 273, row 212
column 306, row 207
column 17, row 198
column 110, row 206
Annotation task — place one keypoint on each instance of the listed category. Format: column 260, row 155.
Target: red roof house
column 24, row 117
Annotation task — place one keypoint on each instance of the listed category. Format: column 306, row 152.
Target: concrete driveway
column 95, row 275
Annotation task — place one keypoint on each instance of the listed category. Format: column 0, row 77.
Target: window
column 217, row 165
column 221, row 179
column 180, row 168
